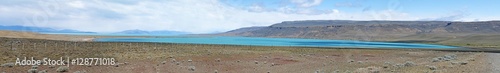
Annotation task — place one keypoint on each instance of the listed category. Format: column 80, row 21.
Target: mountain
column 50, row 30
column 39, row 29
column 246, row 29
column 371, row 30
column 136, row 31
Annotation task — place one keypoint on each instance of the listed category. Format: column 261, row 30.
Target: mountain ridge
column 370, row 30
column 40, row 29
column 51, row 30
column 163, row 32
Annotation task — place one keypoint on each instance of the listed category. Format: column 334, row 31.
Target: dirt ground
column 196, row 58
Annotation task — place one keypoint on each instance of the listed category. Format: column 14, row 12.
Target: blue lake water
column 259, row 41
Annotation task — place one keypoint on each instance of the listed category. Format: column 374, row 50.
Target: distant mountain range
column 39, row 29
column 50, row 30
column 151, row 32
column 370, row 30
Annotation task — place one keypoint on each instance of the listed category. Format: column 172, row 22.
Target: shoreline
column 178, row 58
column 158, row 57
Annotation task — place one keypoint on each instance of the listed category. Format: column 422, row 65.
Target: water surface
column 259, row 41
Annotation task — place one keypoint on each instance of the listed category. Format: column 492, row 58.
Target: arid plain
column 200, row 58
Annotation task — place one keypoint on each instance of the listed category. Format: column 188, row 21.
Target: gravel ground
column 495, row 62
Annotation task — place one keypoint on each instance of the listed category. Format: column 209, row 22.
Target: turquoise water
column 258, row 41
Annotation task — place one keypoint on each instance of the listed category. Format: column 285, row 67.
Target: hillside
column 397, row 31
column 366, row 30
column 165, row 32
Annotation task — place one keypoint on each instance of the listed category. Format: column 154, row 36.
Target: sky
column 209, row 16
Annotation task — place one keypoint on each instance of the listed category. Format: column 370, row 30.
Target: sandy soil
column 494, row 59
column 159, row 57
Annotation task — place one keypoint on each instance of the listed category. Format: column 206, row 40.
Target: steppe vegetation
column 182, row 58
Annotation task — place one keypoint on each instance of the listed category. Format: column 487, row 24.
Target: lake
column 260, row 41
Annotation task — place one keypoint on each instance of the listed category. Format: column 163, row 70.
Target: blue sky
column 207, row 16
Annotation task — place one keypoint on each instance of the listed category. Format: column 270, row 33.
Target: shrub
column 191, row 68
column 432, row 67
column 34, row 67
column 387, row 63
column 463, row 63
column 445, row 58
column 32, row 71
column 80, row 72
column 454, row 63
column 163, row 62
column 399, row 65
column 62, row 69
column 471, row 59
column 350, row 61
column 409, row 64
column 256, row 62
column 52, row 66
column 450, row 57
column 217, row 60
column 8, row 65
column 436, row 59
column 371, row 69
column 190, row 60
column 173, row 60
column 43, row 71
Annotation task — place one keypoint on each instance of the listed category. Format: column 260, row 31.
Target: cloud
column 197, row 16
column 335, row 11
column 347, row 4
column 76, row 4
column 257, row 8
column 306, row 3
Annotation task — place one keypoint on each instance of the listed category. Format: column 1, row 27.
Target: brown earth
column 148, row 58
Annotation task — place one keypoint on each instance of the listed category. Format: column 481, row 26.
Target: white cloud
column 257, row 8
column 307, row 3
column 76, row 4
column 335, row 11
column 197, row 16
column 347, row 4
